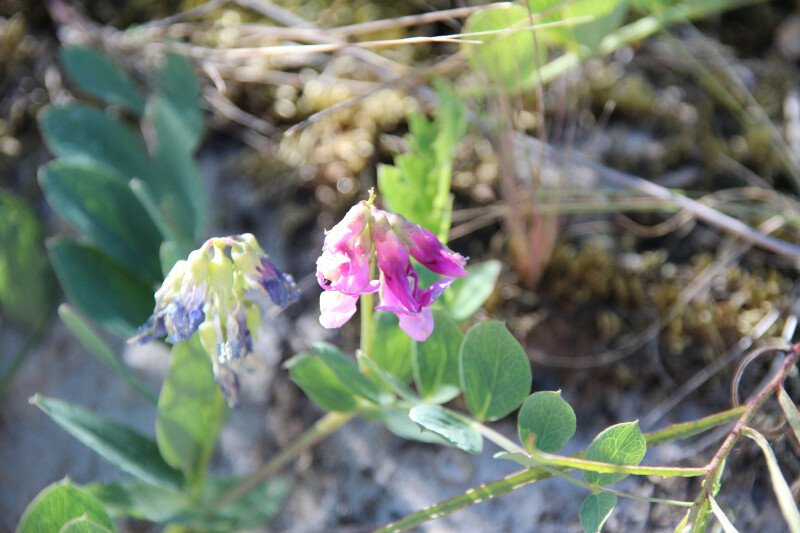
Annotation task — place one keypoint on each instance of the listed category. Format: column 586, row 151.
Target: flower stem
column 499, row 439
column 321, row 429
column 366, row 324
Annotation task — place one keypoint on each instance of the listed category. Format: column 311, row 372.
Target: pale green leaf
column 453, row 428
column 595, row 510
column 621, row 444
column 191, row 410
column 545, row 422
column 494, row 370
column 469, row 293
column 57, row 505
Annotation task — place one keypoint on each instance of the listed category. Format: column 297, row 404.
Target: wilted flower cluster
column 345, row 272
column 219, row 291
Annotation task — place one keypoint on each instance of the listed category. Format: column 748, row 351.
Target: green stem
column 321, row 429
column 366, row 324
column 513, row 482
column 611, row 468
column 501, row 440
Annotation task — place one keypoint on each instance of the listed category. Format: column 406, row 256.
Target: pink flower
column 344, row 263
column 343, row 269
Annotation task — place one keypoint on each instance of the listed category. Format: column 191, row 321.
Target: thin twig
column 752, row 407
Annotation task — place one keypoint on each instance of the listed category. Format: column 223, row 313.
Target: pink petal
column 418, row 326
column 426, row 248
column 344, row 263
column 395, row 266
column 433, row 292
column 336, row 308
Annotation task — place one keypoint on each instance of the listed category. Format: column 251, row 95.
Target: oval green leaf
column 621, row 444
column 494, row 370
column 545, row 421
column 595, row 510
column 60, row 503
column 179, row 189
column 448, row 425
column 108, row 294
column 87, row 133
column 178, row 84
column 102, row 207
column 96, row 75
column 320, row 383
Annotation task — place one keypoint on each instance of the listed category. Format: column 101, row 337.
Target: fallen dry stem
column 751, row 408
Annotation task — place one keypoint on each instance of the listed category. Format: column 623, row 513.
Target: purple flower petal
column 426, row 248
column 279, row 286
column 395, row 265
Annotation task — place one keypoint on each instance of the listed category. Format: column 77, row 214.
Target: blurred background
column 635, row 307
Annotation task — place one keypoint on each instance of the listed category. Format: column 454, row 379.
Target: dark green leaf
column 99, row 348
column 84, row 132
column 595, row 510
column 190, row 411
column 468, row 294
column 392, row 347
column 97, row 75
column 178, row 84
column 99, row 204
column 57, row 505
column 549, row 418
column 495, row 372
column 129, row 450
column 448, row 425
column 100, row 287
column 621, row 444
column 435, row 360
column 320, row 383
column 26, row 283
column 180, row 191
